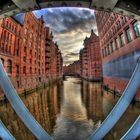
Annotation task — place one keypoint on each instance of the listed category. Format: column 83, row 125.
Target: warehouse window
column 122, row 39
column 129, row 37
column 9, row 66
column 136, row 29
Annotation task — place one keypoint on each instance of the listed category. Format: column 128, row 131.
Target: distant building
column 90, row 57
column 28, row 52
column 119, row 41
column 73, row 68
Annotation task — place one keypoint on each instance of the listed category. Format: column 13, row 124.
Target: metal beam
column 4, row 132
column 20, row 108
column 8, row 9
column 26, row 5
column 66, row 3
column 128, row 8
column 104, row 4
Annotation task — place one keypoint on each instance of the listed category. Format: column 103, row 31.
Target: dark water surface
column 69, row 110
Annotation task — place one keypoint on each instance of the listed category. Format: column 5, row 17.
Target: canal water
column 69, row 110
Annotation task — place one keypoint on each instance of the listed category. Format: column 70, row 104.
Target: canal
column 69, row 110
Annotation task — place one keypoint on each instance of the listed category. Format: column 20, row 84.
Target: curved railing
column 120, row 107
column 133, row 132
column 20, row 108
column 4, row 133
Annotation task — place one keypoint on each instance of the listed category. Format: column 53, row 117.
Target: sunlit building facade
column 90, row 58
column 28, row 52
column 10, row 31
column 120, row 49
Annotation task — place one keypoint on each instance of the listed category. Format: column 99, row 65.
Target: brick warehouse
column 119, row 41
column 24, row 54
column 90, row 59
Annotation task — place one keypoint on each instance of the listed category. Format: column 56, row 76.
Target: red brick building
column 119, row 41
column 73, row 68
column 28, row 52
column 10, row 48
column 32, row 56
column 90, row 58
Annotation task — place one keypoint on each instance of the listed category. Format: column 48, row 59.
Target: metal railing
column 4, row 133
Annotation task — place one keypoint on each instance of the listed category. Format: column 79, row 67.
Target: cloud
column 70, row 26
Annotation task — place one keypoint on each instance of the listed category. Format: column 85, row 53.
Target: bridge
column 124, row 7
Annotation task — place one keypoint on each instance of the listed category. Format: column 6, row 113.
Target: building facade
column 10, row 48
column 119, row 41
column 28, row 52
column 90, row 58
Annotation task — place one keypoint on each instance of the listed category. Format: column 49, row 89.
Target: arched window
column 11, row 39
column 10, row 51
column 4, row 35
column 10, row 26
column 17, row 69
column 9, row 66
column 6, row 23
column 6, row 48
column 30, row 70
column 24, row 70
column 2, row 60
column 2, row 47
column 7, row 39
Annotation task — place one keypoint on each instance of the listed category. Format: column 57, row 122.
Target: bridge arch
column 124, row 7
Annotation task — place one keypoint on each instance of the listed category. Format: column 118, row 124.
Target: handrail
column 133, row 132
column 4, row 132
column 20, row 108
column 120, row 107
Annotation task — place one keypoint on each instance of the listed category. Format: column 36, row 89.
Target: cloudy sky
column 70, row 26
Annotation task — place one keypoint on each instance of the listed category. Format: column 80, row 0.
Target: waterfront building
column 10, row 32
column 32, row 57
column 90, row 58
column 28, row 52
column 119, row 41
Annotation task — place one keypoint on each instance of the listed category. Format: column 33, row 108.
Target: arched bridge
column 124, row 7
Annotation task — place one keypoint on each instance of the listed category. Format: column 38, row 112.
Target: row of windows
column 6, row 49
column 6, row 36
column 24, row 70
column 9, row 67
column 10, row 26
column 114, row 29
column 120, row 41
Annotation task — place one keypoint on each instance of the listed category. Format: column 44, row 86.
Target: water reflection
column 69, row 110
column 72, row 122
column 44, row 107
